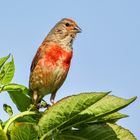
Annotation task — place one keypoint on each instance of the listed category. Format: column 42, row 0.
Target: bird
column 51, row 63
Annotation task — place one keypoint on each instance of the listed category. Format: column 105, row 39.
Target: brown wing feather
column 36, row 59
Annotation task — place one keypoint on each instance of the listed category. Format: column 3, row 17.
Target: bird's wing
column 36, row 59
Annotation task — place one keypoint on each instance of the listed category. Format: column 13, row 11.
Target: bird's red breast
column 56, row 55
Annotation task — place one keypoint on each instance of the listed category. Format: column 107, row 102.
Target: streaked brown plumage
column 52, row 61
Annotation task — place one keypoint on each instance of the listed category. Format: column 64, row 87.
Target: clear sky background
column 106, row 53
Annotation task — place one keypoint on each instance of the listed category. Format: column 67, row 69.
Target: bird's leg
column 52, row 98
column 35, row 98
column 37, row 101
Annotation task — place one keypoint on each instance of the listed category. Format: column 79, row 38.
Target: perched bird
column 51, row 63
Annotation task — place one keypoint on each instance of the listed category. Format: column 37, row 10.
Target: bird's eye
column 67, row 24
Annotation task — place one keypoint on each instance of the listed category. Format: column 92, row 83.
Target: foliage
column 85, row 116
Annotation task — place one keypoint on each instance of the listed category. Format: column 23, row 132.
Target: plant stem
column 15, row 117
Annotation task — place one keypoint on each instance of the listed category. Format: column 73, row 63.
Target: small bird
column 51, row 63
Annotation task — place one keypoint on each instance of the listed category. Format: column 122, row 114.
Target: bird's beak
column 77, row 29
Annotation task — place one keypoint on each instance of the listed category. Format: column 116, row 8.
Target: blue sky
column 106, row 53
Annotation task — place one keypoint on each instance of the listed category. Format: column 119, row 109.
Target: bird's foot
column 36, row 107
column 43, row 104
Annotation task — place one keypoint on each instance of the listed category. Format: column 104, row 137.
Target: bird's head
column 69, row 26
column 64, row 32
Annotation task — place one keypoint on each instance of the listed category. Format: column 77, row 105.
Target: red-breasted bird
column 51, row 63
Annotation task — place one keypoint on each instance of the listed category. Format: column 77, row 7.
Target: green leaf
column 22, row 101
column 30, row 119
column 24, row 131
column 3, row 135
column 8, row 109
column 67, row 109
column 112, row 118
column 107, row 105
column 18, row 94
column 97, row 132
column 1, row 123
column 75, row 110
column 7, row 72
column 14, row 87
column 3, row 60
